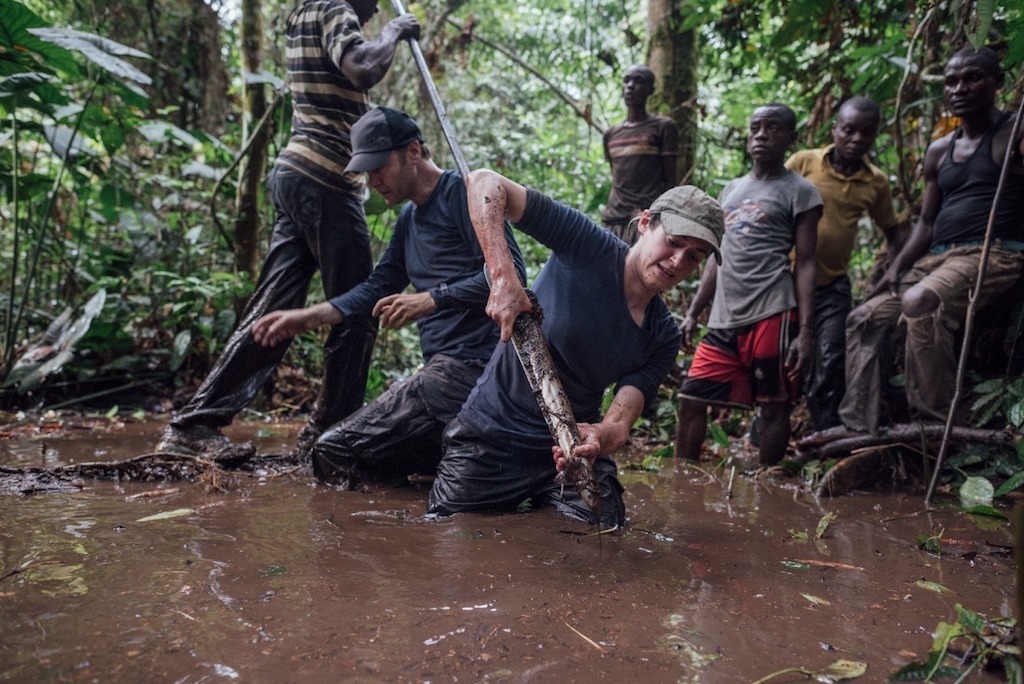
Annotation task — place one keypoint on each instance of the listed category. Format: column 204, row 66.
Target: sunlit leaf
column 976, row 491
column 101, row 51
column 816, row 599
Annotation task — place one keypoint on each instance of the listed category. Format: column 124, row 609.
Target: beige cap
column 688, row 210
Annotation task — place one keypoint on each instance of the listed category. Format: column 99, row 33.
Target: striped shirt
column 325, row 104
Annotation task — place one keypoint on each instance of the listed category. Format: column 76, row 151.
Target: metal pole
column 435, row 98
column 961, row 368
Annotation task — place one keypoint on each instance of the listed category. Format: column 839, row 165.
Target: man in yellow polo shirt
column 850, row 186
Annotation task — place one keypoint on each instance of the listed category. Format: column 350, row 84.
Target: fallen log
column 840, row 442
column 864, row 458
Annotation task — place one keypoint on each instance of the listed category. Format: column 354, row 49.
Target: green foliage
column 999, row 397
column 113, row 188
column 932, row 543
column 972, row 642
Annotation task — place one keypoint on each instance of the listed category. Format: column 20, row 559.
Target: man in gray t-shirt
column 760, row 304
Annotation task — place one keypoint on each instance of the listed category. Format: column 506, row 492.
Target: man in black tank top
column 927, row 285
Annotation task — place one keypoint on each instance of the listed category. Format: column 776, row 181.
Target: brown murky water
column 282, row 581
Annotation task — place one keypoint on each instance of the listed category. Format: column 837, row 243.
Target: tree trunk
column 247, row 221
column 673, row 56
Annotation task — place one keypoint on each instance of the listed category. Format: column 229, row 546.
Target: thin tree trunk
column 247, row 221
column 673, row 56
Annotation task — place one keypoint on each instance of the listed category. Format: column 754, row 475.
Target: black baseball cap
column 378, row 132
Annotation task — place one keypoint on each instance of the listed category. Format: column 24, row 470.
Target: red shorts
column 741, row 366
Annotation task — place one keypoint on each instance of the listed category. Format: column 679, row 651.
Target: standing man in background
column 760, row 335
column 319, row 224
column 642, row 151
column 850, row 186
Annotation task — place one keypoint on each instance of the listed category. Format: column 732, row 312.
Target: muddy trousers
column 930, row 358
column 315, row 228
column 398, row 433
column 826, row 381
column 476, row 476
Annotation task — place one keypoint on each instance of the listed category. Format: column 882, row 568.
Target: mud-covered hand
column 279, row 326
column 801, row 354
column 588, row 448
column 508, row 299
column 398, row 309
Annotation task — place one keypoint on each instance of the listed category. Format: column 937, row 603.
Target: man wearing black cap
column 605, row 323
column 319, row 224
column 434, row 249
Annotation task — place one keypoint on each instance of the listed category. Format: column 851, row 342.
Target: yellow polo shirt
column 847, row 199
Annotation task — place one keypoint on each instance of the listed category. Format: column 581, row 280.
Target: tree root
column 864, row 457
column 214, row 474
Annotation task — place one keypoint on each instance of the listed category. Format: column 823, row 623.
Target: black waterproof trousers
column 398, row 433
column 476, row 476
column 315, row 228
column 826, row 380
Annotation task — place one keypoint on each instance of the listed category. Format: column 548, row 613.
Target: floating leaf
column 176, row 513
column 797, row 534
column 932, row 586
column 815, row 599
column 987, row 511
column 842, row 669
column 823, row 524
column 796, row 565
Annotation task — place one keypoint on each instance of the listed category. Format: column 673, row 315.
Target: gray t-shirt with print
column 755, row 280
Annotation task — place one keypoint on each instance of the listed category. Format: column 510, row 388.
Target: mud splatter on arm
column 492, row 199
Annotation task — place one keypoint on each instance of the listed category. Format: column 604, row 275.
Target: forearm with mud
column 615, row 427
column 488, row 201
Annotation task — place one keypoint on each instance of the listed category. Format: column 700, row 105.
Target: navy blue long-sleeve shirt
column 434, row 248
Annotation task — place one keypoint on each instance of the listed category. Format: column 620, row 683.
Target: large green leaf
column 30, row 89
column 101, row 51
column 21, row 51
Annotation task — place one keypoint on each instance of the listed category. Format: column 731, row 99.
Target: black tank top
column 968, row 189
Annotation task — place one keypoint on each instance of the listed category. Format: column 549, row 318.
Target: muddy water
column 282, row 581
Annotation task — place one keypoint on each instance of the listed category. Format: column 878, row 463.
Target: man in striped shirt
column 320, row 224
